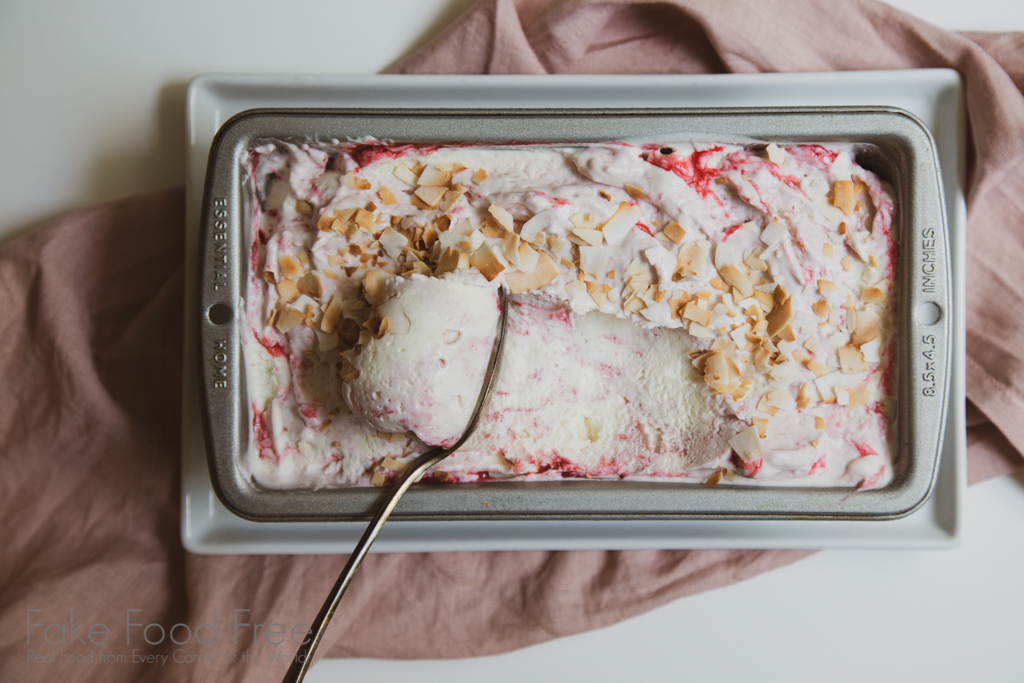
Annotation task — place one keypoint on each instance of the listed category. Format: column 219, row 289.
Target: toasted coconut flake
column 634, row 191
column 762, row 357
column 387, row 196
column 390, row 463
column 761, row 424
column 430, row 195
column 821, row 308
column 621, row 222
column 310, row 285
column 344, row 215
column 826, row 287
column 503, row 217
column 674, row 232
column 819, row 422
column 544, row 272
column 737, row 278
column 872, row 295
column 323, row 224
column 269, row 278
column 405, row 174
column 430, row 232
column 747, row 444
column 716, row 368
column 288, row 319
column 819, row 369
column 634, row 305
column 290, row 268
column 677, row 303
column 303, row 207
column 604, row 195
column 378, row 479
column 331, row 317
column 385, row 327
column 692, row 260
column 486, row 261
column 364, row 219
column 287, row 290
column 448, row 262
column 450, row 199
column 843, row 196
column 528, row 258
column 851, row 360
column 393, row 242
column 780, row 317
column 764, row 407
column 767, row 300
column 756, row 262
column 773, row 232
column 593, row 260
column 807, row 395
column 780, row 399
column 598, row 293
column 591, row 237
column 510, row 248
column 697, row 314
column 859, row 395
column 776, row 154
column 373, row 285
column 575, row 289
column 435, row 176
column 490, row 228
column 582, row 220
column 868, row 328
column 714, row 479
column 351, row 181
column 827, row 250
column 781, row 295
column 479, row 176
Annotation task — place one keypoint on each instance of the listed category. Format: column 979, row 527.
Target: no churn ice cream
column 691, row 311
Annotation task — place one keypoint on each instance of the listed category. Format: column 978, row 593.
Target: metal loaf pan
column 896, row 145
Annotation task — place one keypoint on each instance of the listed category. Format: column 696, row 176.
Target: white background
column 92, row 105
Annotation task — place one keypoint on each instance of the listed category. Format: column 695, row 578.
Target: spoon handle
column 304, row 657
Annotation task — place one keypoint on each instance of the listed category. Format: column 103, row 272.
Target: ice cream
column 425, row 369
column 695, row 311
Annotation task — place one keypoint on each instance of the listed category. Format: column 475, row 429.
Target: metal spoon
column 304, row 657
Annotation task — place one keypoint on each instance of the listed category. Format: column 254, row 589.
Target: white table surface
column 92, row 97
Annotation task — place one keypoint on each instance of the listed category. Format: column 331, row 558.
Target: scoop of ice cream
column 425, row 374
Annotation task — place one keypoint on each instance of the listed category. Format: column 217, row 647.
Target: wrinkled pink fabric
column 89, row 403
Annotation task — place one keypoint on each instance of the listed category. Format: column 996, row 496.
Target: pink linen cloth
column 90, row 398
